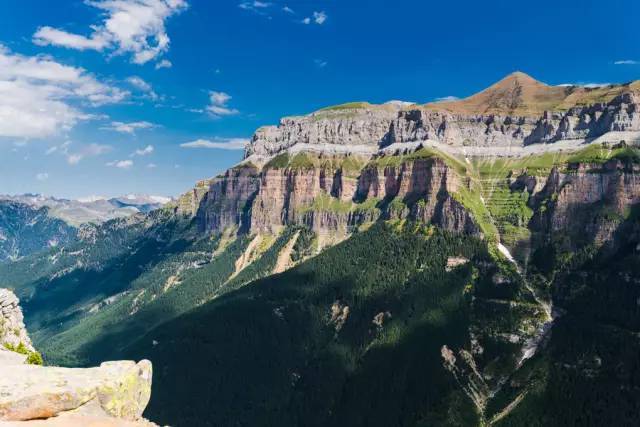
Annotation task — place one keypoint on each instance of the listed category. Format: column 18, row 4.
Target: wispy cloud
column 318, row 18
column 121, row 164
column 320, row 63
column 627, row 62
column 256, row 6
column 144, row 87
column 218, row 143
column 165, row 63
column 446, row 99
column 586, row 85
column 287, row 9
column 42, row 176
column 143, row 152
column 218, row 104
column 92, row 150
column 135, row 27
column 40, row 97
column 129, row 128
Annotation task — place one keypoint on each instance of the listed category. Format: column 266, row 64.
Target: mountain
column 468, row 263
column 25, row 230
column 93, row 209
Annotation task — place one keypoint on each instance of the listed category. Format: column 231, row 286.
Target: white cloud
column 319, row 17
column 144, row 152
column 287, row 9
column 165, row 63
column 143, row 86
column 447, row 99
column 585, row 85
column 136, row 27
column 219, row 143
column 91, row 150
column 129, row 128
column 74, row 159
column 320, row 63
column 39, row 97
column 627, row 62
column 151, row 166
column 218, row 104
column 42, row 176
column 255, row 6
column 121, row 164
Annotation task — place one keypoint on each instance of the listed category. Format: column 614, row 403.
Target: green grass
column 347, row 106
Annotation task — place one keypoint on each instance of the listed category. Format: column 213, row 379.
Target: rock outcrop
column 113, row 394
column 13, row 333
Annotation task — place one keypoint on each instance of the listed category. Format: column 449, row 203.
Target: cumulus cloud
column 42, row 176
column 218, row 104
column 219, row 143
column 135, row 27
column 143, row 152
column 129, row 128
column 287, row 9
column 121, row 164
column 40, row 97
column 627, row 62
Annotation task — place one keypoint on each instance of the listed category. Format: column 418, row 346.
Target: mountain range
column 32, row 222
column 469, row 262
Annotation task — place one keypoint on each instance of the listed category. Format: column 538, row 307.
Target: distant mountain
column 93, row 209
column 25, row 229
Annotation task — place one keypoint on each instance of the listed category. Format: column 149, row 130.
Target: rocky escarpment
column 341, row 167
column 516, row 111
column 114, row 394
column 335, row 194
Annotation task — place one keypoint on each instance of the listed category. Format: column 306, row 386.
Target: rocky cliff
column 342, row 167
column 516, row 111
column 114, row 394
column 334, row 194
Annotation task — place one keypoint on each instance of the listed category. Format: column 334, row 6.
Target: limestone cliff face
column 334, row 199
column 587, row 202
column 379, row 126
column 114, row 394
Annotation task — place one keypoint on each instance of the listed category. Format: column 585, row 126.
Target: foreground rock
column 114, row 394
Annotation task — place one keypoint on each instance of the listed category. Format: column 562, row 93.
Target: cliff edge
column 113, row 394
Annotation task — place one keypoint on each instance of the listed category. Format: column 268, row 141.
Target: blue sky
column 99, row 96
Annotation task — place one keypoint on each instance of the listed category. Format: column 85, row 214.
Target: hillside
column 25, row 230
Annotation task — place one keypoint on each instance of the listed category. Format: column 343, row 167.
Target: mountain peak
column 516, row 94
